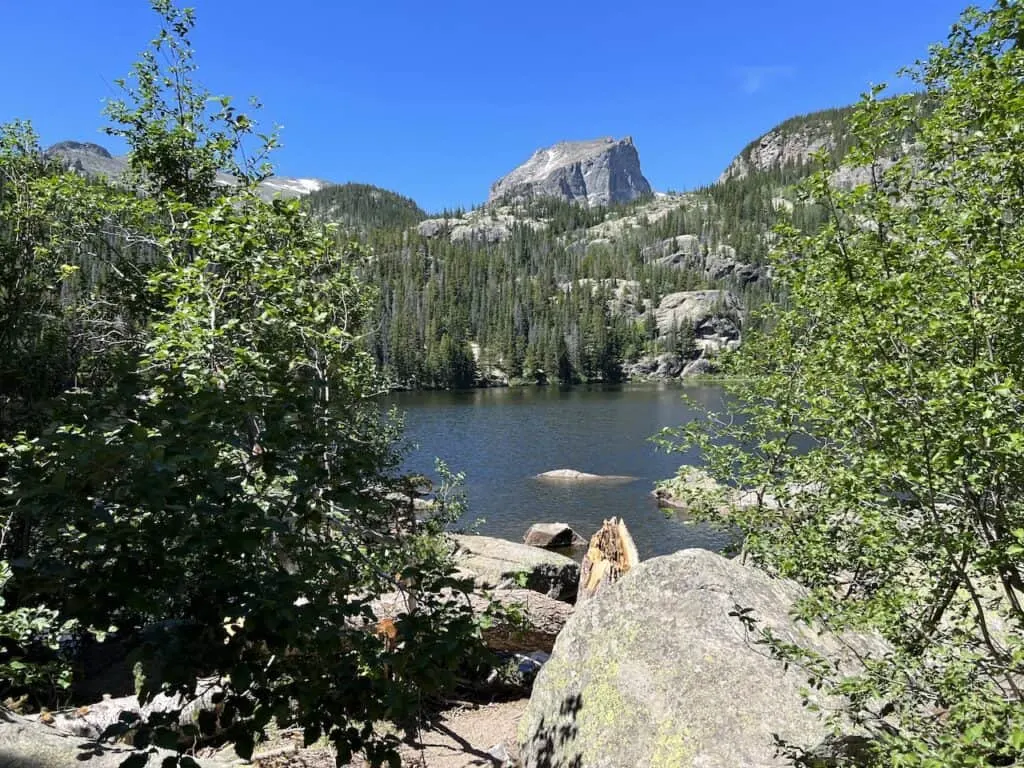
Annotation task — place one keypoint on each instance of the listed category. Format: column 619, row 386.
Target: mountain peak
column 83, row 147
column 601, row 171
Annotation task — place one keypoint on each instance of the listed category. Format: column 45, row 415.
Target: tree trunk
column 612, row 553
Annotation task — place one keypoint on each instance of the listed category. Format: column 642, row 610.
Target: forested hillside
column 547, row 290
column 364, row 207
column 191, row 455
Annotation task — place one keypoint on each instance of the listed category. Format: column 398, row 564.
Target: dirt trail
column 462, row 740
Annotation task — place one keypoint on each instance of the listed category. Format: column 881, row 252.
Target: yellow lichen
column 673, row 747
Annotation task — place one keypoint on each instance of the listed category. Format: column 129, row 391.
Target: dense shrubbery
column 187, row 433
column 882, row 416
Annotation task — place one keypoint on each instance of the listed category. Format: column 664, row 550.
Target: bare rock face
column 716, row 264
column 711, row 314
column 598, row 172
column 493, row 224
column 777, row 149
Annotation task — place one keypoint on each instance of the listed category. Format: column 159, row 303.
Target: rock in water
column 575, row 476
column 598, row 172
column 658, row 671
column 551, row 535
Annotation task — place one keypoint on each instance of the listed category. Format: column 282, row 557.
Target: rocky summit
column 599, row 172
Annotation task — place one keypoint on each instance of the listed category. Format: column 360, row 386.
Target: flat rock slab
column 497, row 563
column 543, row 617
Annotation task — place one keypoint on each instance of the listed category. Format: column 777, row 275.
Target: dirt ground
column 462, row 740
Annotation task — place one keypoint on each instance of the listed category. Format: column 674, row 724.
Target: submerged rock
column 573, row 475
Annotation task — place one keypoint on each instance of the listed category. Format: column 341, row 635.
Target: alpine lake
column 501, row 438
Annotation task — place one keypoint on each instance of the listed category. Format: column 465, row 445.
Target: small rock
column 500, row 753
column 551, row 536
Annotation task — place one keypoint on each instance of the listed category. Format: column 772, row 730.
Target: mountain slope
column 364, row 207
column 791, row 144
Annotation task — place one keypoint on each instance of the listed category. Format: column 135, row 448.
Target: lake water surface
column 501, row 438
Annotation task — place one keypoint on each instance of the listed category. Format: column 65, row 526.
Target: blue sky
column 437, row 100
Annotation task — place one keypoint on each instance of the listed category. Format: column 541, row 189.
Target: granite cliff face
column 792, row 145
column 780, row 148
column 93, row 160
column 598, row 172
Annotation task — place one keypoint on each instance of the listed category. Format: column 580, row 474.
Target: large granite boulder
column 497, row 563
column 658, row 671
column 598, row 172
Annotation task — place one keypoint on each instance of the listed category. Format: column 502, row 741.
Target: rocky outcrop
column 780, row 148
column 702, row 366
column 482, row 226
column 496, row 563
column 713, row 315
column 666, row 366
column 599, row 172
column 693, row 488
column 793, row 144
column 552, row 536
column 659, row 671
column 624, row 296
column 716, row 264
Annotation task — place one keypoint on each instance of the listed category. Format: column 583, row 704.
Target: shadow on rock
column 552, row 743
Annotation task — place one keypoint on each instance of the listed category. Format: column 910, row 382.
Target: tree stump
column 611, row 554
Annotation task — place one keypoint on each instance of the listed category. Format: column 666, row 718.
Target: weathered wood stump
column 611, row 554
